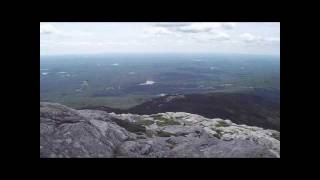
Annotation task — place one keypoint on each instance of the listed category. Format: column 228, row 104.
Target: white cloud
column 76, row 34
column 113, row 43
column 250, row 38
column 247, row 37
column 220, row 36
column 157, row 31
column 214, row 36
column 273, row 39
column 48, row 29
column 228, row 25
column 68, row 38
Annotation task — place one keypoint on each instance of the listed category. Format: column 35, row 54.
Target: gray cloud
column 228, row 26
column 170, row 25
column 196, row 27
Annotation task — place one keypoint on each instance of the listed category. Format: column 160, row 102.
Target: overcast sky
column 93, row 38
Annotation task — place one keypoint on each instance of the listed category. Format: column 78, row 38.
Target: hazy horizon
column 157, row 53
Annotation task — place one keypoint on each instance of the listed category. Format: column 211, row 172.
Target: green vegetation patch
column 222, row 124
column 145, row 122
column 162, row 121
column 219, row 133
column 164, row 134
column 156, row 116
column 131, row 126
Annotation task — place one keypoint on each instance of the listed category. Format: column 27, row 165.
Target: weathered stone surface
column 65, row 132
column 77, row 135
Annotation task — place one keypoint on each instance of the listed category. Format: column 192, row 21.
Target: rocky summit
column 70, row 133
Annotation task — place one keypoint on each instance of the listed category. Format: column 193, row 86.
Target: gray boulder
column 65, row 132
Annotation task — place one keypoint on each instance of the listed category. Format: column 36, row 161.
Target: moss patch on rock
column 145, row 122
column 218, row 133
column 130, row 126
column 222, row 124
column 164, row 134
column 162, row 121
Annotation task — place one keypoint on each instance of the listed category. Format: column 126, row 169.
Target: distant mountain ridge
column 240, row 108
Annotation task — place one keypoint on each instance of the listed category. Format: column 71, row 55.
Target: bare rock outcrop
column 65, row 132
